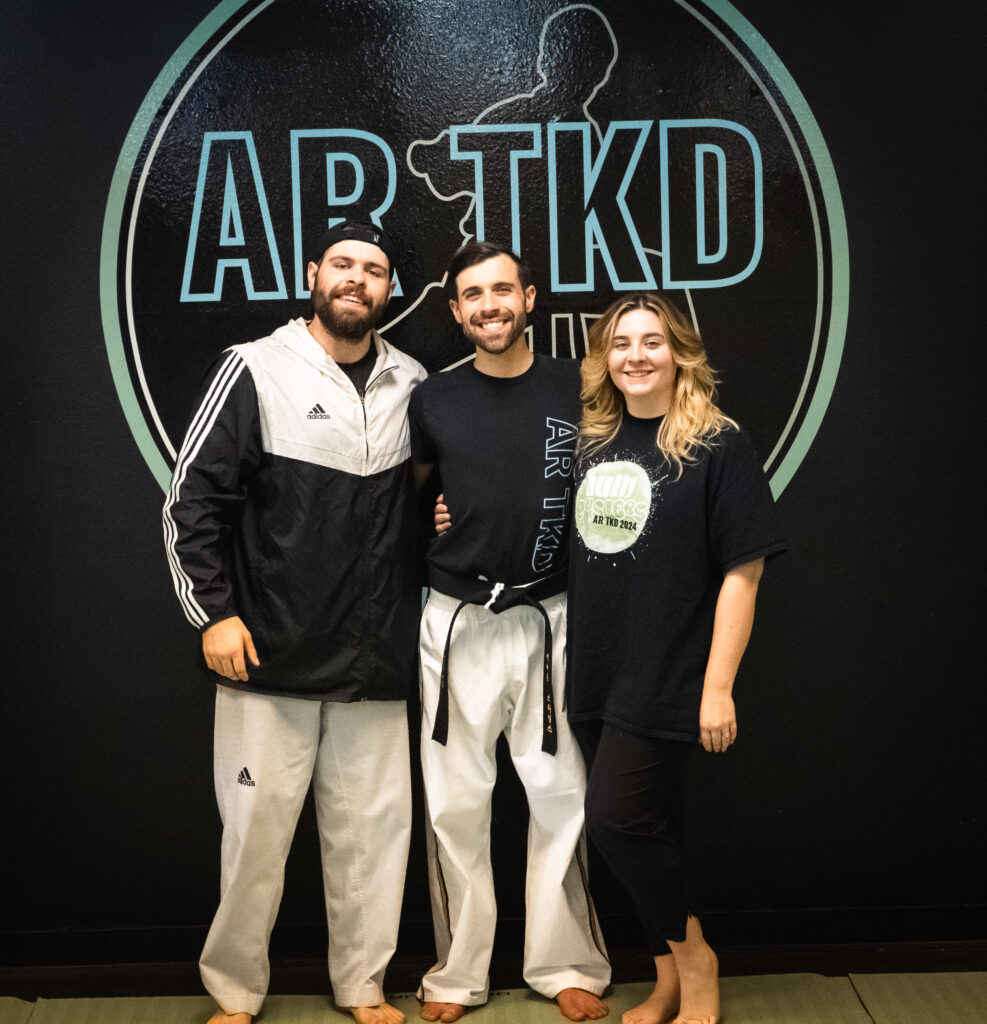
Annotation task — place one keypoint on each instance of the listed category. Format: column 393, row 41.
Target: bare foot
column 382, row 1013
column 444, row 1012
column 578, row 1004
column 663, row 1004
column 698, row 977
column 222, row 1017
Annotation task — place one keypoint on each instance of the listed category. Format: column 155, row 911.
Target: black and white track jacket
column 293, row 506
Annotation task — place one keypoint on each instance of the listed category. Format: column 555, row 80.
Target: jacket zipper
column 366, row 432
column 363, row 405
column 365, row 589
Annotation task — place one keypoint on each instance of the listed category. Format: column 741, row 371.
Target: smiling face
column 350, row 288
column 491, row 304
column 641, row 363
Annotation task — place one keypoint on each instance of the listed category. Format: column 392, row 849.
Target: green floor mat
column 516, row 1007
column 164, row 1010
column 194, row 1010
column 15, row 1011
column 772, row 999
column 790, row 999
column 959, row 998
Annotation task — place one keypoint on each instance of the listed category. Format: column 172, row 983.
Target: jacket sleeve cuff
column 219, row 617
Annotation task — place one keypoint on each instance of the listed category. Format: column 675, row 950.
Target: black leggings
column 634, row 816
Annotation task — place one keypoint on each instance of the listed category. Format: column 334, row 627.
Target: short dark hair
column 472, row 253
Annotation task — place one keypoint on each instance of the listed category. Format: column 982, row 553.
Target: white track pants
column 267, row 751
column 495, row 686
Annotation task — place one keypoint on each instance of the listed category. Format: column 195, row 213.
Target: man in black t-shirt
column 502, row 431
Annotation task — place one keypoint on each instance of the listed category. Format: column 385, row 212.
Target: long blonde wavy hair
column 693, row 419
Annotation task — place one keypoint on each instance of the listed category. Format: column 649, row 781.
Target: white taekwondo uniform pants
column 496, row 672
column 267, row 751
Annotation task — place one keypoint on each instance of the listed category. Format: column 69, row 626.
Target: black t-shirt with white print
column 504, row 447
column 648, row 552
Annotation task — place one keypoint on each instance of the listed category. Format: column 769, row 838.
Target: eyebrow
column 479, row 288
column 364, row 263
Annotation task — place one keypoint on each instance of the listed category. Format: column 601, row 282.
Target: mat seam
column 860, row 999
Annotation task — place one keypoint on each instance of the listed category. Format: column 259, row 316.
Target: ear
column 390, row 290
column 454, row 306
column 311, row 273
column 529, row 298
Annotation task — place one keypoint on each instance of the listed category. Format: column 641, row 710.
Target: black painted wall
column 859, row 779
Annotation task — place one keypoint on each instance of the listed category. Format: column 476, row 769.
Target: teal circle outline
column 839, row 242
column 780, row 477
column 109, row 252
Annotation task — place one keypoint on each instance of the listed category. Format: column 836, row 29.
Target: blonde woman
column 673, row 522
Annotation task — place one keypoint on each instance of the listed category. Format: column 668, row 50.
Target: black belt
column 497, row 597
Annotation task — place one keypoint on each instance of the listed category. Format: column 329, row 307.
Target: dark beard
column 518, row 328
column 350, row 326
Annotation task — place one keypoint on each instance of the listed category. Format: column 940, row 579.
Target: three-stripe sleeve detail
column 202, row 423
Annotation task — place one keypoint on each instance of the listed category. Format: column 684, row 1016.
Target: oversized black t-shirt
column 504, row 447
column 648, row 552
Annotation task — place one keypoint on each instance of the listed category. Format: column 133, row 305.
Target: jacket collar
column 295, row 335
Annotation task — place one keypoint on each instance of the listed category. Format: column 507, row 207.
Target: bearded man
column 502, row 431
column 290, row 532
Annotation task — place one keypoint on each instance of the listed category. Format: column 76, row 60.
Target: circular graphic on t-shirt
column 612, row 506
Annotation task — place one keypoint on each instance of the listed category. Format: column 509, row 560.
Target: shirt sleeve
column 422, row 447
column 743, row 521
column 221, row 451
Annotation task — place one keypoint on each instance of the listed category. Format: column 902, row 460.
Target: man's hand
column 226, row 646
column 443, row 521
column 717, row 722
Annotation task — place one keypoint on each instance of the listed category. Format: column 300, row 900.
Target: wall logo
column 615, row 155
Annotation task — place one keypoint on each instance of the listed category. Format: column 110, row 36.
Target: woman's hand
column 731, row 631
column 717, row 722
